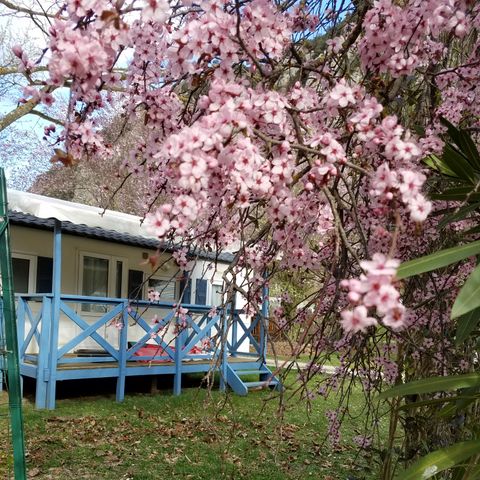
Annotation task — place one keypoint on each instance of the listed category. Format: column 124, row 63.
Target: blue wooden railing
column 41, row 318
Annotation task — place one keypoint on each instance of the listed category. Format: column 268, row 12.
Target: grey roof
column 28, row 220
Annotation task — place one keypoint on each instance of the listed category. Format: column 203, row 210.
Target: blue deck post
column 223, row 348
column 122, row 355
column 21, row 317
column 264, row 321
column 234, row 352
column 20, row 324
column 57, row 282
column 177, row 381
column 43, row 355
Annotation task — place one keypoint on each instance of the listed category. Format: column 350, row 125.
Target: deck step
column 265, row 384
column 252, row 372
column 239, row 386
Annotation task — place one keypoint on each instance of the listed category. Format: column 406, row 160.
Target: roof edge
column 82, row 230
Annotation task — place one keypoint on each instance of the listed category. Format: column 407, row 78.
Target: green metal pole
column 13, row 368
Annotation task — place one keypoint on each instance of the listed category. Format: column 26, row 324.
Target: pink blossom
column 395, row 317
column 157, row 223
column 410, row 184
column 419, row 208
column 335, row 43
column 156, row 10
column 17, row 51
column 356, row 320
column 341, row 95
column 380, row 265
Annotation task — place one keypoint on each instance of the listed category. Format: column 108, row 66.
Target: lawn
column 201, row 434
column 303, row 358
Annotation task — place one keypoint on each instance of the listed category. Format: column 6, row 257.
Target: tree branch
column 18, row 8
column 46, row 117
column 22, row 110
column 13, row 70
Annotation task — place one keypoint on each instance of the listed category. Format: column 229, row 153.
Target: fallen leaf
column 63, row 157
column 33, row 472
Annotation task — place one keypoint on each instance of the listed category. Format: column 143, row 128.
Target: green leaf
column 438, row 260
column 464, row 142
column 469, row 295
column 468, row 396
column 457, row 162
column 469, row 471
column 471, row 231
column 441, row 460
column 431, row 401
column 433, row 384
column 447, row 411
column 438, row 164
column 457, row 193
column 473, row 473
column 458, row 214
column 466, row 324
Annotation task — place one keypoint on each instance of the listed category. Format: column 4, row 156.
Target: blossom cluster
column 181, row 314
column 181, row 259
column 84, row 138
column 153, row 295
column 333, row 427
column 42, row 95
column 397, row 39
column 84, row 54
column 374, row 292
column 404, row 184
column 263, row 32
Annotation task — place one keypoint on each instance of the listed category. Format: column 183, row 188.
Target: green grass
column 199, row 435
column 305, row 358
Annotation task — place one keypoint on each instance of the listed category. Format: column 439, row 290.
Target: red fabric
column 154, row 351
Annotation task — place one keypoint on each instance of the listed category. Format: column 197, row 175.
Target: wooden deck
column 202, row 342
column 32, row 359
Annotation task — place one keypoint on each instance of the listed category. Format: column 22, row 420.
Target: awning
column 38, row 211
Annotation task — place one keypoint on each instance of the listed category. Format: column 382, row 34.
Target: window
column 201, row 292
column 101, row 276
column 118, row 279
column 32, row 274
column 165, row 288
column 185, row 290
column 44, row 275
column 95, row 277
column 135, row 284
column 217, row 295
column 23, row 274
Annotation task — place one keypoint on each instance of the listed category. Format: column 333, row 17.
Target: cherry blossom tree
column 292, row 133
column 99, row 184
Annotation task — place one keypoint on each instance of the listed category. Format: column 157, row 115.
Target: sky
column 23, row 153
